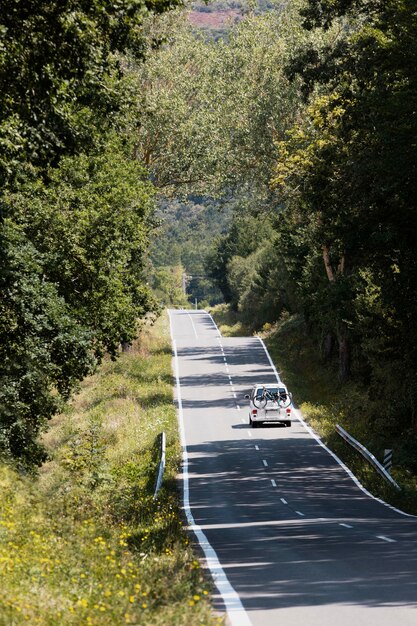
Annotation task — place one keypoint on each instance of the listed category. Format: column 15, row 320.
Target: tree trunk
column 341, row 266
column 327, row 264
column 344, row 358
column 328, row 345
column 342, row 338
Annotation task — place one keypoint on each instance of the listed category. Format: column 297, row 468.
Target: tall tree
column 75, row 208
column 211, row 111
column 350, row 170
column 59, row 72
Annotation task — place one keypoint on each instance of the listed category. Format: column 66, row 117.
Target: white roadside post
column 161, row 466
column 388, row 460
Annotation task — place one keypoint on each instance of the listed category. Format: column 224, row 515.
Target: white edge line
column 269, row 359
column 332, row 454
column 388, row 539
column 214, row 323
column 234, row 607
column 345, row 467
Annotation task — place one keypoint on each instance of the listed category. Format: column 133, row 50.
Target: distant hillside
column 216, row 17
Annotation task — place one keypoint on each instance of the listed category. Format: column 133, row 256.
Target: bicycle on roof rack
column 264, row 395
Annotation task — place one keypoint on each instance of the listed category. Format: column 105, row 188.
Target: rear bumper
column 271, row 416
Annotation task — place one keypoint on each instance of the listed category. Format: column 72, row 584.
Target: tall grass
column 83, row 541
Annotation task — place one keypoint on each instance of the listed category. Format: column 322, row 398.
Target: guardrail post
column 161, row 466
column 388, row 460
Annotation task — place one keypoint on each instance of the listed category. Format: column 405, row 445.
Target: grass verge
column 325, row 403
column 83, row 541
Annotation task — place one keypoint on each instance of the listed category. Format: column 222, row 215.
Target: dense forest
column 281, row 158
column 77, row 206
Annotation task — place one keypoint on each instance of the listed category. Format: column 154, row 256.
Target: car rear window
column 271, row 390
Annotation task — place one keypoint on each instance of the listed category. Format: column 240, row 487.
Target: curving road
column 289, row 537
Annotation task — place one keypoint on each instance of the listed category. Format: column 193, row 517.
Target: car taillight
column 288, row 411
column 254, row 411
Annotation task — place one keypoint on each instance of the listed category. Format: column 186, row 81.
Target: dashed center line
column 256, row 447
column 265, row 462
column 192, row 322
column 283, row 500
column 274, row 484
column 300, row 514
column 346, row 525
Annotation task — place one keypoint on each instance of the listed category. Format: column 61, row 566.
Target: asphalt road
column 298, row 543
